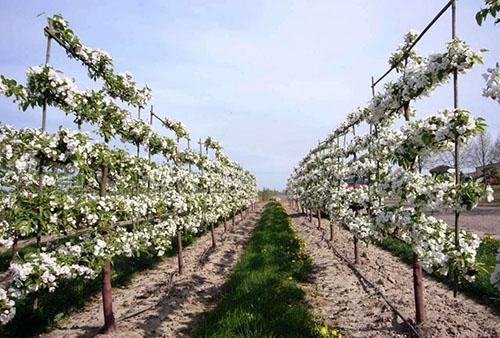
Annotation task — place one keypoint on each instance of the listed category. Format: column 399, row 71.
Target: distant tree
column 481, row 152
column 265, row 194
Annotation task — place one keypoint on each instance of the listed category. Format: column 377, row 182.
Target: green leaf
column 479, row 18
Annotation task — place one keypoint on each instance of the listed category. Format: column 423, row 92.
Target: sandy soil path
column 343, row 300
column 164, row 309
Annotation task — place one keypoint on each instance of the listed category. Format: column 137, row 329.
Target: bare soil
column 342, row 299
column 161, row 303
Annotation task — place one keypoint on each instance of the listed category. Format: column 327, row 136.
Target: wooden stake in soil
column 356, row 251
column 331, row 231
column 44, row 127
column 225, row 223
column 418, row 289
column 456, row 143
column 418, row 282
column 107, row 300
column 14, row 247
column 179, row 250
column 318, row 215
column 212, row 230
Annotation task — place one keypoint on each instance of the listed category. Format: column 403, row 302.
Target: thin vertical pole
column 189, row 147
column 149, row 148
column 107, row 299
column 179, row 251
column 44, row 109
column 357, row 260
column 418, row 287
column 318, row 215
column 418, row 281
column 212, row 230
column 456, row 142
column 356, row 251
column 138, row 117
column 151, row 124
column 44, row 127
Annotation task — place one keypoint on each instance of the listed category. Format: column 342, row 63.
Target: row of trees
column 398, row 194
column 84, row 187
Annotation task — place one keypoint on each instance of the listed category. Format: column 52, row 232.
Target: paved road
column 482, row 220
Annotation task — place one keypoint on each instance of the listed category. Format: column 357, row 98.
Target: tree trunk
column 15, row 244
column 179, row 250
column 212, row 230
column 319, row 218
column 356, row 251
column 107, row 302
column 418, row 288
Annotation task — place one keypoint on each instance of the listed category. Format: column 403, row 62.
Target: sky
column 268, row 79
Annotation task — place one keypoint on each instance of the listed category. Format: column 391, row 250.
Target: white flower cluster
column 99, row 64
column 7, row 308
column 492, row 77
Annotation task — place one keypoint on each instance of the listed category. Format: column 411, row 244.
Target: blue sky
column 268, row 79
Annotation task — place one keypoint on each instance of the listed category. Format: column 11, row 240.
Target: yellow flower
column 290, row 278
column 334, row 333
column 323, row 331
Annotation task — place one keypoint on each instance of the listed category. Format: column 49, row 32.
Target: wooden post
column 189, row 147
column 318, row 215
column 310, row 215
column 212, row 230
column 357, row 260
column 107, row 299
column 44, row 127
column 418, row 281
column 47, row 59
column 225, row 223
column 179, row 251
column 418, row 289
column 331, row 231
column 138, row 144
column 456, row 143
column 356, row 251
column 15, row 243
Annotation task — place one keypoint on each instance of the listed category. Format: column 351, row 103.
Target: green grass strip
column 262, row 297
